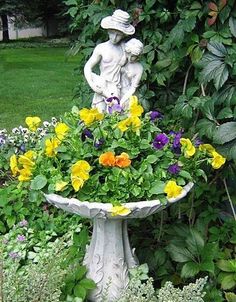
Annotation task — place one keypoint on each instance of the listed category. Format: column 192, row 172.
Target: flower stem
column 230, row 200
column 186, row 79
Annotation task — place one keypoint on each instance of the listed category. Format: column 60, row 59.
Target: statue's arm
column 137, row 74
column 88, row 70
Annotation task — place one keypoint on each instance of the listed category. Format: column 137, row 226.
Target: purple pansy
column 14, row 255
column 113, row 105
column 154, row 115
column 99, row 142
column 23, row 223
column 160, row 141
column 115, row 108
column 86, row 134
column 176, row 147
column 21, row 238
column 197, row 142
column 174, row 169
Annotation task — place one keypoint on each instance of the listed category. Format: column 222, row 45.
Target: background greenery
column 35, row 81
column 190, row 70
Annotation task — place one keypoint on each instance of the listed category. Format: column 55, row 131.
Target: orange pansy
column 107, row 159
column 123, row 160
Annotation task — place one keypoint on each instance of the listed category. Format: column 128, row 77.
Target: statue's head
column 119, row 22
column 133, row 49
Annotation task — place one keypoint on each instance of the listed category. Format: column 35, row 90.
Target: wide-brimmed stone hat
column 120, row 20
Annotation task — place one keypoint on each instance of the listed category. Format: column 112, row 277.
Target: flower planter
column 109, row 255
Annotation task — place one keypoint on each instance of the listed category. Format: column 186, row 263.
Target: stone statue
column 132, row 72
column 111, row 56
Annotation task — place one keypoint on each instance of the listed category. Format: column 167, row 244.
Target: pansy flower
column 122, row 160
column 51, row 146
column 107, row 159
column 218, row 160
column 174, row 169
column 187, row 146
column 33, row 122
column 88, row 116
column 61, row 130
column 160, row 141
column 154, row 115
column 172, row 189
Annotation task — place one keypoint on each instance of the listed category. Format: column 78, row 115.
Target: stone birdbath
column 109, row 255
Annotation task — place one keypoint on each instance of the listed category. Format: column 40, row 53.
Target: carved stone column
column 109, row 255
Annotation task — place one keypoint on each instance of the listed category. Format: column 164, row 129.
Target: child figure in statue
column 110, row 56
column 131, row 72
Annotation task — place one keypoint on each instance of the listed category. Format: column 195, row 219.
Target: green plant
column 227, row 277
column 113, row 158
column 192, row 292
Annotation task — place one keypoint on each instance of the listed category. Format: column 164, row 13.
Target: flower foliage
column 92, row 157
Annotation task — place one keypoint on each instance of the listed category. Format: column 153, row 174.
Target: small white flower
column 46, row 124
column 15, row 130
column 25, row 130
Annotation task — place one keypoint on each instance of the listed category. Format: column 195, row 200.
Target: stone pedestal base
column 109, row 255
column 108, row 258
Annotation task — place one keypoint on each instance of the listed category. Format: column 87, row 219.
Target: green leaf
column 157, row 187
column 11, row 221
column 38, row 182
column 228, row 281
column 230, row 297
column 225, row 133
column 179, row 254
column 207, row 267
column 232, row 26
column 195, row 242
column 3, row 198
column 87, row 283
column 163, row 64
column 185, row 174
column 71, row 2
column 151, row 159
column 189, row 270
column 80, row 291
column 221, row 76
column 227, row 265
column 80, row 272
column 225, row 113
column 217, row 49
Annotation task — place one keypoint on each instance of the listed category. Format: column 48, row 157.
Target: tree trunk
column 5, row 31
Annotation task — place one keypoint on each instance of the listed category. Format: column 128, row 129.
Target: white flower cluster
column 192, row 292
column 20, row 137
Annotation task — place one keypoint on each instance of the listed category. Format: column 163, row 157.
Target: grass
column 35, row 81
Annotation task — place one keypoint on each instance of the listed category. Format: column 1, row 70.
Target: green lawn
column 35, row 81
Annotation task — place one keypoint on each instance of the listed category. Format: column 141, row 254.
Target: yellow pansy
column 26, row 160
column 218, row 160
column 188, row 147
column 123, row 125
column 25, row 174
column 135, row 109
column 88, row 116
column 207, row 147
column 13, row 165
column 77, row 183
column 119, row 211
column 61, row 130
column 33, row 122
column 135, row 122
column 81, row 169
column 61, row 185
column 51, row 146
column 132, row 121
column 172, row 189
